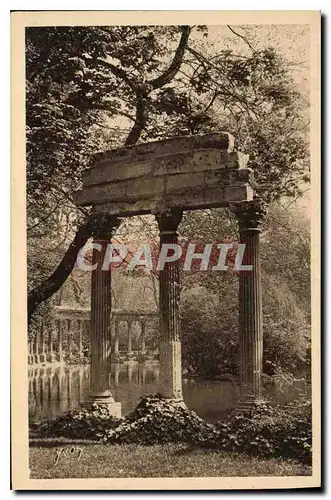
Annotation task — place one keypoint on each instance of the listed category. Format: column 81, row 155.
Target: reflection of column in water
column 50, row 385
column 31, row 395
column 80, row 384
column 60, row 394
column 156, row 373
column 43, row 399
column 35, row 388
column 69, row 387
column 141, row 374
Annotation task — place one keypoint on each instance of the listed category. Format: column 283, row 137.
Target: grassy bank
column 91, row 460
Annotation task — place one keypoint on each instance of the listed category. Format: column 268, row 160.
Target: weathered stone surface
column 169, row 298
column 190, row 199
column 250, row 217
column 184, row 172
column 108, row 171
column 182, row 144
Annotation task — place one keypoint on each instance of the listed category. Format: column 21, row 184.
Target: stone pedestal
column 100, row 342
column 170, row 344
column 250, row 216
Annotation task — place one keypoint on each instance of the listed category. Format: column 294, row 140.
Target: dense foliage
column 266, row 430
column 209, row 300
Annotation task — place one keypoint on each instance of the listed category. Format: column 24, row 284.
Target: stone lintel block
column 182, row 144
column 211, row 197
column 159, row 186
column 173, row 163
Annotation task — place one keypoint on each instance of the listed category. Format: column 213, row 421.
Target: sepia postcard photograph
column 165, row 250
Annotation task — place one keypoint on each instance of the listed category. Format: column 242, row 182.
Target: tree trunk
column 52, row 284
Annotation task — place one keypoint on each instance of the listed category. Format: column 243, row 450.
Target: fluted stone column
column 59, row 343
column 116, row 373
column 50, row 354
column 115, row 349
column 80, row 340
column 30, row 353
column 170, row 343
column 69, row 338
column 142, row 346
column 250, row 216
column 129, row 323
column 142, row 338
column 100, row 340
column 116, row 338
column 42, row 355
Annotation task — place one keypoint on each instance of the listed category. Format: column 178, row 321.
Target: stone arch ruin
column 165, row 178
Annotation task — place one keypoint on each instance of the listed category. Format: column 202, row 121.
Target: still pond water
column 55, row 390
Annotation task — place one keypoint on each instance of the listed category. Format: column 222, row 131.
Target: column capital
column 250, row 214
column 169, row 220
column 103, row 225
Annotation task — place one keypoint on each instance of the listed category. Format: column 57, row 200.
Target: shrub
column 158, row 420
column 268, row 431
column 79, row 424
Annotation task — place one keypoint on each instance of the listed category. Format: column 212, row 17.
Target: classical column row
column 41, row 348
column 129, row 351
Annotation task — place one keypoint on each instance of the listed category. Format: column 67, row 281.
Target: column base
column 247, row 403
column 177, row 402
column 105, row 399
column 171, row 370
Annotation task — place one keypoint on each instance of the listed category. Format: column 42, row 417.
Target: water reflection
column 57, row 389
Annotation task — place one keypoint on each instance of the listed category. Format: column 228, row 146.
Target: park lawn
column 168, row 460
